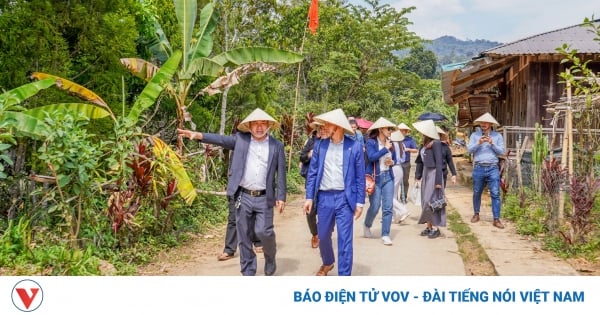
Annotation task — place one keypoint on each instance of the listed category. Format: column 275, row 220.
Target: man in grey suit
column 257, row 183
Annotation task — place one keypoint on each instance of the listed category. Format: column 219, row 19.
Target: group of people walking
column 335, row 160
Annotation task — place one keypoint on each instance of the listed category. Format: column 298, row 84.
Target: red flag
column 313, row 16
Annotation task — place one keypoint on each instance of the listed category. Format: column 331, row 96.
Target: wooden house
column 516, row 81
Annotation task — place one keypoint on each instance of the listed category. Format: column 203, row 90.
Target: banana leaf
column 246, row 55
column 86, row 110
column 72, row 88
column 16, row 96
column 184, row 184
column 154, row 88
column 140, row 68
column 25, row 125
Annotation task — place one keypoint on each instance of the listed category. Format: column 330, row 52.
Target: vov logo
column 27, row 295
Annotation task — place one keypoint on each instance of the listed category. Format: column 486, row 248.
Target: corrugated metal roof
column 578, row 37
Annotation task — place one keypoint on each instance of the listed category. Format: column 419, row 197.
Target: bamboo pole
column 291, row 154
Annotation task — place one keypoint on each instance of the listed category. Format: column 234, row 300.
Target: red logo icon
column 27, row 295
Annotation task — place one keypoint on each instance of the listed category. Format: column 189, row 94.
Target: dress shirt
column 255, row 172
column 333, row 169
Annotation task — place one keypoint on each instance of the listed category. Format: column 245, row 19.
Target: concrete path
column 410, row 255
column 510, row 253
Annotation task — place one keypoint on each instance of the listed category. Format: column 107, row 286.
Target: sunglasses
column 390, row 129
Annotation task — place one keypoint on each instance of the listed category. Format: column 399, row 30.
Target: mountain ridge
column 449, row 49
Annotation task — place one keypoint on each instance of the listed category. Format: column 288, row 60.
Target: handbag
column 438, row 201
column 415, row 194
column 370, row 182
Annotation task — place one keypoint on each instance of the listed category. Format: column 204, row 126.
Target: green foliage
column 527, row 211
column 422, row 63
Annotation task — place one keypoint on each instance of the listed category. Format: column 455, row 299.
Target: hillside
column 449, row 49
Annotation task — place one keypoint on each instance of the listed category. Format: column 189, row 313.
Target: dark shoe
column 270, row 266
column 224, row 256
column 426, row 232
column 324, row 270
column 475, row 218
column 434, row 233
column 498, row 224
column 314, row 242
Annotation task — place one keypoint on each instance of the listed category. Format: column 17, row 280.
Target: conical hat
column 314, row 125
column 397, row 136
column 256, row 115
column 382, row 123
column 336, row 117
column 403, row 126
column 427, row 128
column 440, row 130
column 487, row 117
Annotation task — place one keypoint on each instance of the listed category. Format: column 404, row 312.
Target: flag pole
column 296, row 99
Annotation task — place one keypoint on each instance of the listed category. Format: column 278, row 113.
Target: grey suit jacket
column 239, row 144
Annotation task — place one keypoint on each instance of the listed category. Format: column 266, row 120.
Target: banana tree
column 197, row 62
column 14, row 122
column 99, row 109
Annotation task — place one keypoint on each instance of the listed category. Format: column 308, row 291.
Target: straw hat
column 256, row 115
column 382, row 123
column 487, row 117
column 336, row 117
column 403, row 126
column 427, row 128
column 397, row 136
column 440, row 130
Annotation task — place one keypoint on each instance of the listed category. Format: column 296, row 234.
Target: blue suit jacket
column 354, row 171
column 374, row 154
column 239, row 144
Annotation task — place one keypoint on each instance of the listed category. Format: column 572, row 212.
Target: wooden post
column 520, row 151
column 566, row 158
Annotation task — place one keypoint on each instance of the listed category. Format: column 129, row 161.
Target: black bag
column 438, row 201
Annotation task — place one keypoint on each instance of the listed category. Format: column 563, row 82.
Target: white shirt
column 255, row 172
column 333, row 168
column 382, row 166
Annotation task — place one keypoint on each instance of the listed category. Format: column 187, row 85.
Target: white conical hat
column 403, row 126
column 487, row 117
column 440, row 130
column 256, row 115
column 427, row 128
column 397, row 136
column 313, row 125
column 336, row 117
column 382, row 123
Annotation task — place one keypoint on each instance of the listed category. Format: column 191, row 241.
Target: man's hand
column 307, row 206
column 189, row 134
column 280, row 205
column 357, row 212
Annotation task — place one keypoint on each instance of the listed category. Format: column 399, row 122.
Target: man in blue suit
column 336, row 181
column 257, row 183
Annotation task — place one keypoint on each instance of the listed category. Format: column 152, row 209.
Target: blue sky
column 496, row 20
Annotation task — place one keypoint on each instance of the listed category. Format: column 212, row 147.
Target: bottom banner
column 274, row 295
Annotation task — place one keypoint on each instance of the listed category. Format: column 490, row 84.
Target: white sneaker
column 367, row 232
column 404, row 216
column 386, row 240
